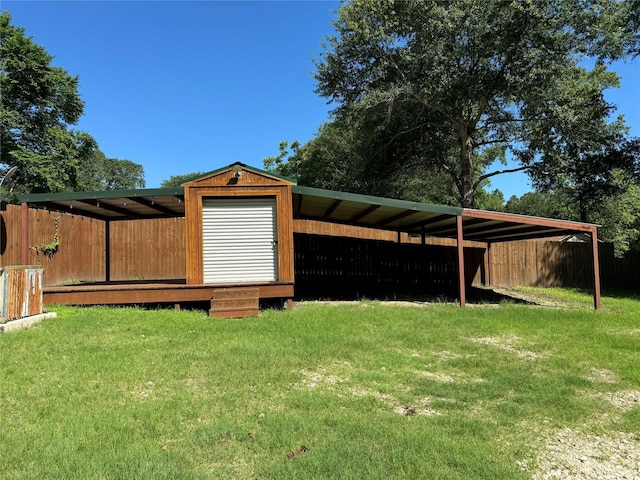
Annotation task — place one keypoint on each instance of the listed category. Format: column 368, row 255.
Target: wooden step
column 235, row 302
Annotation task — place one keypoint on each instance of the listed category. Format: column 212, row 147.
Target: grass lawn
column 357, row 391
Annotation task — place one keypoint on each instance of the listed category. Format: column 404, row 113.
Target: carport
column 437, row 221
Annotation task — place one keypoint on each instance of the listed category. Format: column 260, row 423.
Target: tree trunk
column 467, row 192
column 583, row 210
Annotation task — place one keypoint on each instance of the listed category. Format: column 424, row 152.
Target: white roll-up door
column 239, row 238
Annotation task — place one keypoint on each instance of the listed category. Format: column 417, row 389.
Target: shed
column 239, row 234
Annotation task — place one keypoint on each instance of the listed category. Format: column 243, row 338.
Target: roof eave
column 95, row 195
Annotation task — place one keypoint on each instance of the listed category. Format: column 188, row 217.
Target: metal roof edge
column 89, row 195
column 373, row 200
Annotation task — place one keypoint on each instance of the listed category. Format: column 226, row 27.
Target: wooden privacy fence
column 151, row 249
column 348, row 267
column 546, row 263
column 69, row 247
column 73, row 249
column 549, row 263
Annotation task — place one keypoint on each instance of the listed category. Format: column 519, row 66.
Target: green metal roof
column 372, row 200
column 323, row 205
column 99, row 194
column 417, row 218
column 365, row 210
column 114, row 204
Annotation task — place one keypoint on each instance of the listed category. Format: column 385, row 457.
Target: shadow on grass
column 475, row 295
column 619, row 293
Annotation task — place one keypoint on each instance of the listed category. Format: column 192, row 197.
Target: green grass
column 103, row 393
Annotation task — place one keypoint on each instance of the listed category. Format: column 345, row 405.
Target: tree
column 543, row 204
column 101, row 173
column 485, row 75
column 609, row 197
column 632, row 28
column 620, row 219
column 596, row 177
column 177, row 180
column 39, row 102
column 349, row 155
column 493, row 201
column 39, row 105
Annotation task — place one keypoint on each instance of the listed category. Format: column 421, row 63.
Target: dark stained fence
column 625, row 274
column 341, row 267
column 479, row 277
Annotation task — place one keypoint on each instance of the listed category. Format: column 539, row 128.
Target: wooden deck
column 140, row 293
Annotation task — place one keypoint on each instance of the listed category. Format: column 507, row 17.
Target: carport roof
column 324, row 205
column 434, row 220
column 114, row 204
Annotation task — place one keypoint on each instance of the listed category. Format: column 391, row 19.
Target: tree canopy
column 605, row 191
column 40, row 103
column 478, row 81
column 345, row 155
column 101, row 173
column 632, row 28
column 177, row 180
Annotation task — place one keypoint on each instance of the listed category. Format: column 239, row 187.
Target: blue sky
column 192, row 86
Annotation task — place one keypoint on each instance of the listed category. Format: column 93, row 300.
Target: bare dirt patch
column 437, row 376
column 144, row 391
column 336, row 379
column 571, row 455
column 508, row 343
column 325, row 376
column 624, row 399
column 625, row 332
column 602, row 375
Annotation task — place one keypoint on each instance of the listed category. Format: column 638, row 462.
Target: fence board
column 143, row 249
column 548, row 263
column 79, row 255
column 347, row 267
column 151, row 249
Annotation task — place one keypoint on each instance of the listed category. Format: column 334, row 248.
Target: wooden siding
column 227, row 178
column 194, row 197
column 235, row 182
